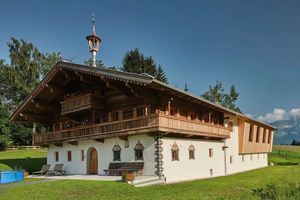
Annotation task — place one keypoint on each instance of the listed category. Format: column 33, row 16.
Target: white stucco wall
column 186, row 169
column 105, row 154
column 238, row 165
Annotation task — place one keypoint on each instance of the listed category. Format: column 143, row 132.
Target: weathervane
column 93, row 42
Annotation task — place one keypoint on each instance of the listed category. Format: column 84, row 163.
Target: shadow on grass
column 28, row 164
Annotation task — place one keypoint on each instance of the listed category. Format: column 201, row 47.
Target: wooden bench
column 115, row 169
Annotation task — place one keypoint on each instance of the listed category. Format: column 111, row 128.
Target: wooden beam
column 31, row 117
column 188, row 135
column 75, row 143
column 44, row 105
column 124, row 137
column 99, row 140
column 58, row 144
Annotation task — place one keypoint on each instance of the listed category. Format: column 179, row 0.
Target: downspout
column 225, row 157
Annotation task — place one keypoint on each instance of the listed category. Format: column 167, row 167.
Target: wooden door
column 93, row 162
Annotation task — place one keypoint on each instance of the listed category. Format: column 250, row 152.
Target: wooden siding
column 78, row 103
column 246, row 146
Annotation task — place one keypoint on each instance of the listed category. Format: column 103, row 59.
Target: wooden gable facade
column 77, row 102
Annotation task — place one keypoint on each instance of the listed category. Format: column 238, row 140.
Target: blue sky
column 254, row 45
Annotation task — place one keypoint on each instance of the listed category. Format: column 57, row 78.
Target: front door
column 93, row 162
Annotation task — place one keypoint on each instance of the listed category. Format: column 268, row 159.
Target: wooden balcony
column 145, row 124
column 79, row 103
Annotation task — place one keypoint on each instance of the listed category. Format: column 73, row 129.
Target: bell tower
column 93, row 42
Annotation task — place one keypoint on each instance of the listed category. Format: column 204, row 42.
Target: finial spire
column 93, row 21
column 93, row 42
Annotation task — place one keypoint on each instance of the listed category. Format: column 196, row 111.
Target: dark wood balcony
column 79, row 103
column 139, row 125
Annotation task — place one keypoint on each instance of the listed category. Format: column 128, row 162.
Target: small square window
column 69, row 154
column 82, row 155
column 211, row 172
column 56, row 156
column 126, row 143
column 210, row 152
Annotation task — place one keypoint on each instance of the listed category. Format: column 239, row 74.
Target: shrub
column 283, row 191
column 125, row 177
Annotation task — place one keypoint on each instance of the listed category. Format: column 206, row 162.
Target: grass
column 285, row 155
column 30, row 160
column 287, row 148
column 277, row 182
column 238, row 186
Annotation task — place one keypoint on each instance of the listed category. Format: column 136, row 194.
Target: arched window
column 191, row 152
column 175, row 152
column 116, row 153
column 139, row 148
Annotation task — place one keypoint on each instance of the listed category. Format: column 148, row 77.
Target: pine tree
column 217, row 94
column 186, row 87
column 89, row 62
column 136, row 62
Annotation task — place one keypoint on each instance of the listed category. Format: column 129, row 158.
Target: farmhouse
column 99, row 121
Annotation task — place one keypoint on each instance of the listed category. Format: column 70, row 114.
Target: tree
column 136, row 62
column 4, row 128
column 160, row 75
column 89, row 62
column 186, row 87
column 217, row 94
column 17, row 79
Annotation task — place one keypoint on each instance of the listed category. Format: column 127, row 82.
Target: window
column 210, row 152
column 269, row 137
column 126, row 143
column 251, row 157
column 139, row 148
column 258, row 156
column 115, row 116
column 243, row 158
column 211, row 172
column 116, row 153
column 191, row 152
column 264, row 135
column 257, row 134
column 56, row 156
column 231, row 159
column 175, row 152
column 69, row 154
column 140, row 111
column 128, row 114
column 251, row 133
column 82, row 155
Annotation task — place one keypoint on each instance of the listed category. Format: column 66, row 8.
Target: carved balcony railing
column 78, row 103
column 145, row 124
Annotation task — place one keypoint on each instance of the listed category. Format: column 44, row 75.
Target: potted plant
column 25, row 173
column 130, row 176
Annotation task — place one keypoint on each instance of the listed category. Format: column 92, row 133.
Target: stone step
column 155, row 182
column 144, row 179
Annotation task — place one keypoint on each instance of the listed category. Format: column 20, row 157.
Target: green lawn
column 31, row 160
column 237, row 186
column 278, row 182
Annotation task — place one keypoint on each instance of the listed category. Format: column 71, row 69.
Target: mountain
column 288, row 130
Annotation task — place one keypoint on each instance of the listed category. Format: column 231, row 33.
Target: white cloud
column 280, row 114
column 277, row 114
column 295, row 112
